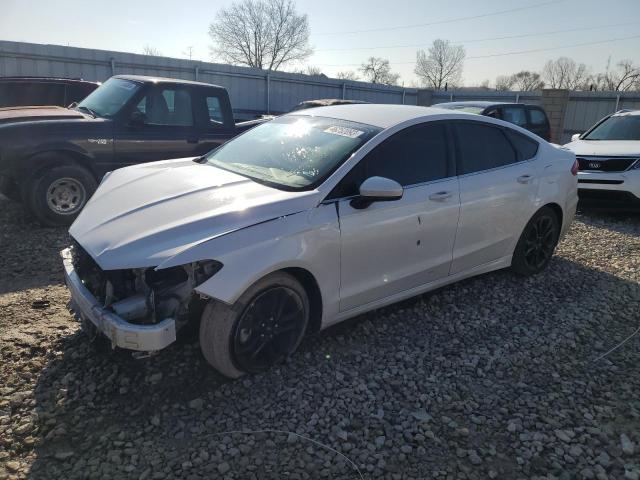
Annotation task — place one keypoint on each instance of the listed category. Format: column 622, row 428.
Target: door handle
column 440, row 196
column 525, row 179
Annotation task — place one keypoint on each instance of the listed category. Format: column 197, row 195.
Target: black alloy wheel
column 540, row 241
column 269, row 329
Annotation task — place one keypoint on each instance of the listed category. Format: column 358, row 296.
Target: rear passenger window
column 538, row 117
column 515, row 115
column 526, row 148
column 215, row 111
column 483, row 147
column 417, row 154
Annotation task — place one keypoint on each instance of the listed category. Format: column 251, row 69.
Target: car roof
column 47, row 79
column 478, row 103
column 377, row 115
column 150, row 79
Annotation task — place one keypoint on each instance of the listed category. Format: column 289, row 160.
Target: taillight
column 574, row 168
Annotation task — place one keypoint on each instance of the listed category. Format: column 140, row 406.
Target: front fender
column 309, row 240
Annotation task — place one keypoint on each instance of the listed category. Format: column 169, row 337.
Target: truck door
column 160, row 126
column 214, row 118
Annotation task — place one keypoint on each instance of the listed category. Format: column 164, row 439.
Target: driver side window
column 417, row 154
column 167, row 106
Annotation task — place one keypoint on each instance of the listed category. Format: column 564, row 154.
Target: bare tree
column 504, row 82
column 313, row 70
column 149, row 50
column 265, row 34
column 526, row 81
column 624, row 78
column 564, row 72
column 442, row 65
column 347, row 75
column 378, row 70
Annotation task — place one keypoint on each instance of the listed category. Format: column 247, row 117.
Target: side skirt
column 501, row 263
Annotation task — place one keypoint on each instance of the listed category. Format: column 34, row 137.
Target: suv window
column 538, row 117
column 515, row 115
column 31, row 93
column 526, row 148
column 414, row 155
column 483, row 147
column 167, row 106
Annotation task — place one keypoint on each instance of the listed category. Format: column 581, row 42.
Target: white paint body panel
column 613, row 148
column 177, row 212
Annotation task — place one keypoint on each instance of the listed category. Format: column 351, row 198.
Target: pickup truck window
column 107, row 100
column 167, row 106
column 292, row 152
column 215, row 111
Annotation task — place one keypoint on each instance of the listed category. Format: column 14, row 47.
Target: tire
column 537, row 243
column 223, row 326
column 56, row 195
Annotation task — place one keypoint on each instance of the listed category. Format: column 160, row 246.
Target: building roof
column 378, row 115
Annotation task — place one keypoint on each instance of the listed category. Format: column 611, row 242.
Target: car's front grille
column 606, row 164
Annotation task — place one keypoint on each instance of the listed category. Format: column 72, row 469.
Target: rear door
column 498, row 187
column 167, row 131
column 391, row 247
column 214, row 119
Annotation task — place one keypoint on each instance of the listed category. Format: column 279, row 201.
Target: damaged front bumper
column 144, row 338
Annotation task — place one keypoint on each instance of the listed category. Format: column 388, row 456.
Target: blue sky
column 172, row 26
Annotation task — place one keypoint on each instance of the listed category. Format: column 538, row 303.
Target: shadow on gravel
column 29, row 251
column 616, row 221
column 423, row 386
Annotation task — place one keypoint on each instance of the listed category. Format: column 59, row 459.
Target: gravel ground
column 495, row 377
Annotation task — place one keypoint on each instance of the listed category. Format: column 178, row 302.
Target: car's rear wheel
column 263, row 328
column 537, row 243
column 56, row 195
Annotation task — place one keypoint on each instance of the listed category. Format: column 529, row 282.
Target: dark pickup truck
column 52, row 158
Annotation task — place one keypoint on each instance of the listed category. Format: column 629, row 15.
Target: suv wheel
column 263, row 328
column 57, row 195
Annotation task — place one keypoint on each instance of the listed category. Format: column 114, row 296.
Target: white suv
column 609, row 159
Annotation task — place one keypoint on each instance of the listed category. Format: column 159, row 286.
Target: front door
column 391, row 247
column 497, row 189
column 164, row 128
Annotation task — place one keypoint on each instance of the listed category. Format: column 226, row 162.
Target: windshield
column 295, row 152
column 463, row 108
column 625, row 127
column 109, row 98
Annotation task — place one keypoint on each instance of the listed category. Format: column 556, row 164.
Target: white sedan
column 309, row 219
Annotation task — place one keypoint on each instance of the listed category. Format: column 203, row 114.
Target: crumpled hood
column 141, row 216
column 614, row 148
column 30, row 114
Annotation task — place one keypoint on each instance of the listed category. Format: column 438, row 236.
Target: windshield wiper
column 91, row 112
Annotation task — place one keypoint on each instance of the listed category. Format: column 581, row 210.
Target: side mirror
column 377, row 189
column 575, row 137
column 137, row 118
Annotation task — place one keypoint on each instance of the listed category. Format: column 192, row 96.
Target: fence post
column 517, row 98
column 617, row 103
column 344, row 91
column 197, row 72
column 268, row 93
column 554, row 101
column 404, row 92
column 113, row 66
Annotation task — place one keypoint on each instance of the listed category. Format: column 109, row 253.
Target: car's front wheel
column 537, row 243
column 263, row 328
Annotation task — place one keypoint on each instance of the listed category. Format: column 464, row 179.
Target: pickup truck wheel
column 57, row 195
column 263, row 328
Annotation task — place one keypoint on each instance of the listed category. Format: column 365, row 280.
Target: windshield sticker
column 344, row 131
